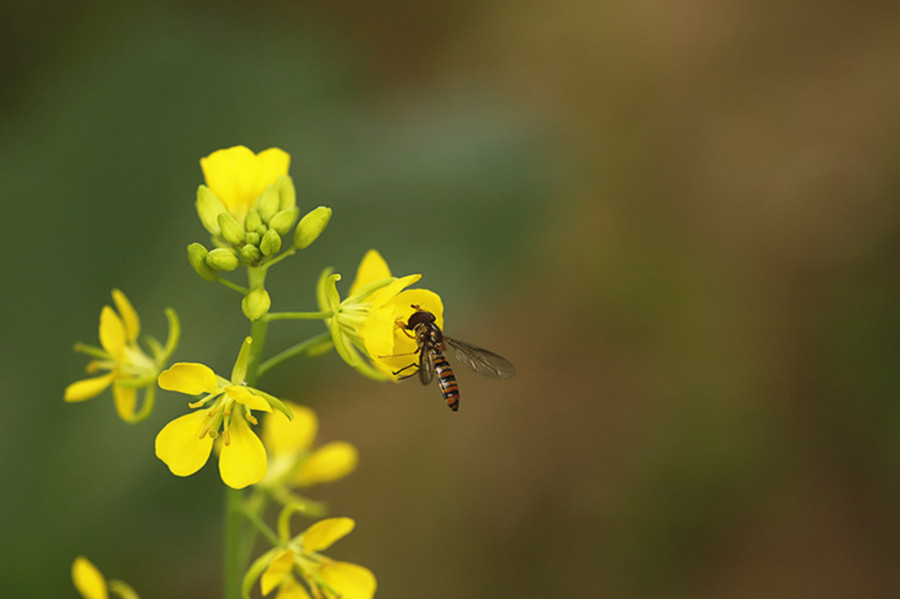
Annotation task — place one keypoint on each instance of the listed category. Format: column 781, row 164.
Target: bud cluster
column 255, row 236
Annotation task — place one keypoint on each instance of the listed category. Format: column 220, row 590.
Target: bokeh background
column 679, row 220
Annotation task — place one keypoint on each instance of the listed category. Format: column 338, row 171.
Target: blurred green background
column 679, row 220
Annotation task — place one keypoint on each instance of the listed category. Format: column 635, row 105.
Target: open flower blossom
column 293, row 462
column 129, row 368
column 186, row 443
column 366, row 327
column 300, row 559
column 90, row 583
column 248, row 205
column 237, row 177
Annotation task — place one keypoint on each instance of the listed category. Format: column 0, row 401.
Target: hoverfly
column 432, row 343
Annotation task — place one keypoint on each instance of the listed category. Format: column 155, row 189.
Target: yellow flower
column 237, row 176
column 129, row 367
column 248, row 205
column 384, row 333
column 301, row 558
column 292, row 462
column 91, row 584
column 186, row 443
column 365, row 327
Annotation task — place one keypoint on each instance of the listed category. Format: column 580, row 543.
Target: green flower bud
column 252, row 222
column 287, row 196
column 311, row 226
column 271, row 243
column 249, row 253
column 209, row 207
column 267, row 203
column 222, row 259
column 256, row 304
column 284, row 220
column 231, row 231
column 197, row 257
column 252, row 237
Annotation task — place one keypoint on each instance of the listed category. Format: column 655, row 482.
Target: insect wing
column 480, row 360
column 426, row 366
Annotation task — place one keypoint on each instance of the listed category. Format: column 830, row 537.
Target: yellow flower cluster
column 248, row 204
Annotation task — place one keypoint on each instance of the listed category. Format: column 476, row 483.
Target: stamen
column 226, row 437
column 250, row 418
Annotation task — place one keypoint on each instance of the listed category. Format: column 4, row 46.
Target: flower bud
column 267, row 203
column 222, row 259
column 231, row 231
column 249, row 253
column 252, row 237
column 271, row 243
column 311, row 226
column 256, row 304
column 209, row 207
column 197, row 257
column 252, row 222
column 284, row 220
column 287, row 196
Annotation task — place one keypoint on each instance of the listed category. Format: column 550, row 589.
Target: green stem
column 279, row 258
column 233, row 286
column 294, row 350
column 234, row 502
column 234, row 498
column 298, row 315
column 262, row 527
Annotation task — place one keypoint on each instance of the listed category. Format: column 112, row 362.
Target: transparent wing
column 426, row 366
column 480, row 360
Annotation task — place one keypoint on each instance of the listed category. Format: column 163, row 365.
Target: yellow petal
column 386, row 293
column 273, row 163
column 371, row 268
column 243, row 395
column 180, row 445
column 88, row 580
column 388, row 343
column 237, row 176
column 328, row 463
column 128, row 314
column 112, row 333
column 88, row 388
column 285, row 437
column 324, row 533
column 243, row 460
column 189, row 377
column 291, row 589
column 278, row 568
column 349, row 580
column 126, row 400
column 231, row 175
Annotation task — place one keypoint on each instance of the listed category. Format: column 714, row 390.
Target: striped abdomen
column 446, row 380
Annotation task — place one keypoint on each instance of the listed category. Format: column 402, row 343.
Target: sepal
column 287, row 195
column 284, row 220
column 253, row 222
column 270, row 243
column 267, row 204
column 311, row 226
column 222, row 259
column 231, row 230
column 209, row 207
